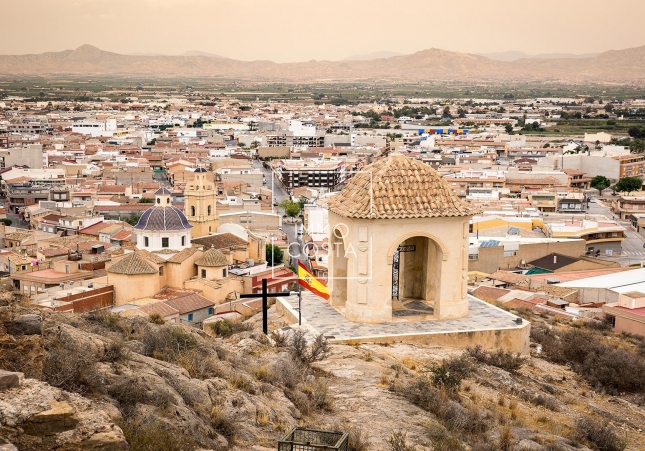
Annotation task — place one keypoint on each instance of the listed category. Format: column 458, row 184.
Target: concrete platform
column 485, row 325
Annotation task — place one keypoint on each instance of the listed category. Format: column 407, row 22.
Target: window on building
column 158, row 200
column 209, row 210
column 161, row 270
column 183, row 240
column 611, row 320
column 190, row 317
column 146, row 241
column 473, row 256
column 211, row 310
column 203, row 273
column 164, row 242
column 224, row 272
column 192, row 210
column 167, row 200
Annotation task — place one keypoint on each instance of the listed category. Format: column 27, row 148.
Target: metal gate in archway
column 396, row 258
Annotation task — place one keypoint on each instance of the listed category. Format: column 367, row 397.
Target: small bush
column 602, row 365
column 288, row 373
column 201, row 363
column 6, row 221
column 280, row 339
column 106, row 319
column 450, row 372
column 443, row 441
column 70, row 366
column 154, row 436
column 505, row 360
column 453, row 415
column 241, row 382
column 115, row 351
column 304, row 353
column 168, row 342
column 224, row 328
column 156, row 318
column 318, row 394
column 223, row 422
column 358, row 439
column 398, row 442
column 600, row 434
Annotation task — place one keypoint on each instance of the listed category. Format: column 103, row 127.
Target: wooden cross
column 265, row 303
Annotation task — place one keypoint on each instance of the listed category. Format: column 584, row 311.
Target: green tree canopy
column 291, row 208
column 600, row 182
column 629, row 184
column 274, row 255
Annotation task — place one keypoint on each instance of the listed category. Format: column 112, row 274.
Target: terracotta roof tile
column 398, row 187
column 189, row 303
column 132, row 264
column 212, row 257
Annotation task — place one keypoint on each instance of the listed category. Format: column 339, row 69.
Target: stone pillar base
column 453, row 310
column 362, row 313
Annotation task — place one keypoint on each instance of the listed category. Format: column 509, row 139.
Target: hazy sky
column 300, row 30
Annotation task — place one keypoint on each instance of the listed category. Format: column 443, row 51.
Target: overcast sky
column 300, row 30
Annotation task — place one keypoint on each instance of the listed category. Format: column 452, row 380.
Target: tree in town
column 291, row 208
column 274, row 255
column 509, row 129
column 629, row 184
column 600, row 182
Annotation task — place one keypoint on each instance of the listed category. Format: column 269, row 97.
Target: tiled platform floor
column 325, row 319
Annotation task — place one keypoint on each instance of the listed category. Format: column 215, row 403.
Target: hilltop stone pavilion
column 398, row 244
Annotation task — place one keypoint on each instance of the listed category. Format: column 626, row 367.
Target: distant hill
column 200, row 53
column 371, row 56
column 615, row 66
column 515, row 55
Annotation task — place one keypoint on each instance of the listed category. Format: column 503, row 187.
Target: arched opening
column 339, row 275
column 167, row 200
column 209, row 210
column 192, row 210
column 158, row 200
column 416, row 277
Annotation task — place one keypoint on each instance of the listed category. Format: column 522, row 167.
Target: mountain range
column 614, row 66
column 515, row 55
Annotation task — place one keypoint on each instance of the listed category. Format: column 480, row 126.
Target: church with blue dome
column 163, row 226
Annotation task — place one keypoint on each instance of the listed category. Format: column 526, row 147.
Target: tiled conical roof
column 212, row 257
column 398, row 187
column 133, row 264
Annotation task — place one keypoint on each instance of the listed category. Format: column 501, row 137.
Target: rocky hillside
column 100, row 382
column 620, row 66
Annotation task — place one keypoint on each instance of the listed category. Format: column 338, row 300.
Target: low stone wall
column 514, row 339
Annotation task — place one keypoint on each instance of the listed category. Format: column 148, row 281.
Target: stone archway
column 416, row 277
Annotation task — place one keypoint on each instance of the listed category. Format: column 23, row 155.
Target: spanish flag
column 311, row 283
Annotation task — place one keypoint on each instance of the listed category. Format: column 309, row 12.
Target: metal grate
column 301, row 439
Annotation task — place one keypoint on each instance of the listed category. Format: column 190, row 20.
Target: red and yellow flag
column 311, row 283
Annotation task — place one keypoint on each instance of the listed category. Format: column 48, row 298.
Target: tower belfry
column 200, row 204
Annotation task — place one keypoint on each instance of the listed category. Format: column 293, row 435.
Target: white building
column 95, row 128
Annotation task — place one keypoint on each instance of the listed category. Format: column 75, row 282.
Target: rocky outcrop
column 35, row 416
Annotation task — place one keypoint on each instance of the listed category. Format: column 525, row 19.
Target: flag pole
column 299, row 305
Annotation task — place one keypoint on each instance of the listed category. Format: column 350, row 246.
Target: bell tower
column 199, row 204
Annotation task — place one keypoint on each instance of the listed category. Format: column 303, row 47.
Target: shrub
column 201, row 363
column 154, row 436
column 318, row 394
column 288, row 373
column 505, row 360
column 6, row 221
column 223, row 422
column 70, row 366
column 599, row 434
column 155, row 318
column 358, row 439
column 397, row 442
column 280, row 339
column 108, row 320
column 300, row 351
column 602, row 365
column 453, row 415
column 168, row 342
column 450, row 372
column 115, row 351
column 225, row 328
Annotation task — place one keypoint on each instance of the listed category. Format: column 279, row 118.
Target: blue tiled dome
column 200, row 169
column 163, row 218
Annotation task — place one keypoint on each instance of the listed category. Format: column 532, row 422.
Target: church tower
column 199, row 204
